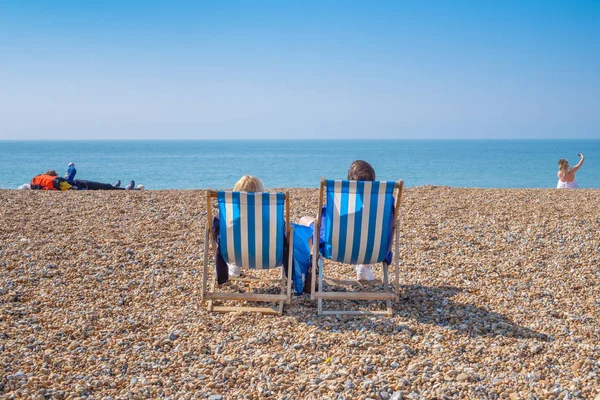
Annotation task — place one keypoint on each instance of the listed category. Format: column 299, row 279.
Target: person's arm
column 579, row 164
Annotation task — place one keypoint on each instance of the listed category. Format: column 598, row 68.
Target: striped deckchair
column 359, row 226
column 252, row 229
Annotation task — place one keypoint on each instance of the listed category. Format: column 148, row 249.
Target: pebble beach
column 100, row 298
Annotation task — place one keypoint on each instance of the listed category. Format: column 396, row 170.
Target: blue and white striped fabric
column 252, row 229
column 359, row 221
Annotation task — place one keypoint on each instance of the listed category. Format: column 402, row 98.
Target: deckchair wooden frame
column 212, row 295
column 388, row 296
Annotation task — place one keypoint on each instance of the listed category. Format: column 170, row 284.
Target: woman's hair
column 51, row 173
column 361, row 171
column 563, row 164
column 249, row 183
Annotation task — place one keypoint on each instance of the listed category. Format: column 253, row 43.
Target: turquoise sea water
column 219, row 164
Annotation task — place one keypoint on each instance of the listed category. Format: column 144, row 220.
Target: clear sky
column 299, row 69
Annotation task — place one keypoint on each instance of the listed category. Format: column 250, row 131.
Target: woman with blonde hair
column 566, row 175
column 247, row 183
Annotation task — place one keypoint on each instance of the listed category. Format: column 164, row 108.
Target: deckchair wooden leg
column 320, row 307
column 205, row 266
column 280, row 308
column 320, row 300
column 315, row 256
column 207, row 237
column 396, row 266
column 283, row 284
column 213, row 283
column 290, row 270
column 386, row 287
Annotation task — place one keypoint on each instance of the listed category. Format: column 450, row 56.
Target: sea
column 218, row 164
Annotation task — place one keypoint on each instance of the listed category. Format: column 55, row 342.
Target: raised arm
column 579, row 164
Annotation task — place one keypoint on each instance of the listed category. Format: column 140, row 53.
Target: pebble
column 498, row 298
column 367, row 384
column 462, row 377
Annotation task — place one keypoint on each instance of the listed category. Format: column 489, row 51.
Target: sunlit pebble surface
column 100, row 298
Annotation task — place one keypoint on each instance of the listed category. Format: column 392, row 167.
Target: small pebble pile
column 499, row 298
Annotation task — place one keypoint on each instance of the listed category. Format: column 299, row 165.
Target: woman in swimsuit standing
column 566, row 175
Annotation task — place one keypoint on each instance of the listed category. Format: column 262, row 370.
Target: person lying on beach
column 90, row 185
column 566, row 175
column 51, row 181
column 224, row 270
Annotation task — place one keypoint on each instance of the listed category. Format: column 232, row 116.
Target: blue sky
column 274, row 70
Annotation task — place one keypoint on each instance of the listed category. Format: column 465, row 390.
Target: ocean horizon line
column 309, row 140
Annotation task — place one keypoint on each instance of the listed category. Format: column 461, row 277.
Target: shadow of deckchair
column 417, row 303
column 431, row 305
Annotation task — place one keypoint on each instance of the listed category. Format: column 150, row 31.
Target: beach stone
column 535, row 349
column 396, row 395
column 367, row 383
column 529, row 308
column 451, row 375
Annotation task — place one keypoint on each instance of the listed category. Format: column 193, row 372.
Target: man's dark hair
column 361, row 171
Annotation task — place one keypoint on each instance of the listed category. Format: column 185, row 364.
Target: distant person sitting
column 566, row 175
